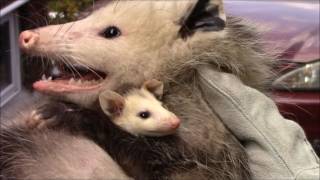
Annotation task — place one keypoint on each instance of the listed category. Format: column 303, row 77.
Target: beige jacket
column 277, row 147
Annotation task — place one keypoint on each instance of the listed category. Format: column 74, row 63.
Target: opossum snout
column 28, row 39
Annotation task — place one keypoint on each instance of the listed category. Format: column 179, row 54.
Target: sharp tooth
column 50, row 78
column 43, row 77
column 71, row 81
column 79, row 81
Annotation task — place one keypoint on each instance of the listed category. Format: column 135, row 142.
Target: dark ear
column 205, row 15
column 111, row 103
column 155, row 87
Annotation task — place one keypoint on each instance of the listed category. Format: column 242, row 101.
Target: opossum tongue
column 58, row 79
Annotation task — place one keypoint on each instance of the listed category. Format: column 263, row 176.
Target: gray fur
column 47, row 154
column 240, row 51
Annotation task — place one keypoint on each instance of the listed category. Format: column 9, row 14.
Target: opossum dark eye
column 144, row 114
column 112, row 32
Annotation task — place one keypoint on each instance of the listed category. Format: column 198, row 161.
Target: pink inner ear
column 117, row 107
column 118, row 111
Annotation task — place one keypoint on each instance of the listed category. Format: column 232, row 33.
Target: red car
column 292, row 29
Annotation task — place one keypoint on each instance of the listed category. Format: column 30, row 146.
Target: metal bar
column 11, row 7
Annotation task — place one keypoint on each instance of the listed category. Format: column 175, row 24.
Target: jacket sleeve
column 277, row 147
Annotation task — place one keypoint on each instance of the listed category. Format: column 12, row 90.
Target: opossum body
column 131, row 41
column 138, row 111
column 47, row 154
column 144, row 157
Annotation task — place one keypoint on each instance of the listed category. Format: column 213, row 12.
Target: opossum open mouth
column 60, row 78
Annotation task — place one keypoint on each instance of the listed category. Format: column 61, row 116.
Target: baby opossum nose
column 28, row 39
column 174, row 122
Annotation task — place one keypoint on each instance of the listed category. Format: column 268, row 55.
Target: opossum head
column 139, row 112
column 122, row 41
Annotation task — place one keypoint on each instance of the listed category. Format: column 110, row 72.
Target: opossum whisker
column 41, row 16
column 46, row 62
column 93, row 4
column 39, row 3
column 69, row 66
column 72, row 24
column 42, row 63
column 27, row 19
column 290, row 114
column 301, row 108
column 47, row 21
column 46, row 55
column 78, row 60
column 90, row 69
column 116, row 4
column 58, row 30
column 36, row 13
column 286, row 87
column 64, row 59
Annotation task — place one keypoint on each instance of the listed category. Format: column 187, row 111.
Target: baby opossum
column 131, row 41
column 138, row 111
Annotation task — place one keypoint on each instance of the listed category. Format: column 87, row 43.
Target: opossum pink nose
column 28, row 39
column 174, row 122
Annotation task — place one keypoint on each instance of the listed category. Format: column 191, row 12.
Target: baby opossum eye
column 144, row 114
column 111, row 32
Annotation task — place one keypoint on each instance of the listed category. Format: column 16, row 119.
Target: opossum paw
column 43, row 116
column 50, row 115
column 35, row 120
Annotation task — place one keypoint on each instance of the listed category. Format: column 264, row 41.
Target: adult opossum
column 132, row 41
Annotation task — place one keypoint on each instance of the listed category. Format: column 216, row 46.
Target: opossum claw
column 34, row 120
column 48, row 115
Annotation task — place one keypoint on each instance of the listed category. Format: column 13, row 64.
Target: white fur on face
column 149, row 41
column 158, row 124
column 146, row 26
